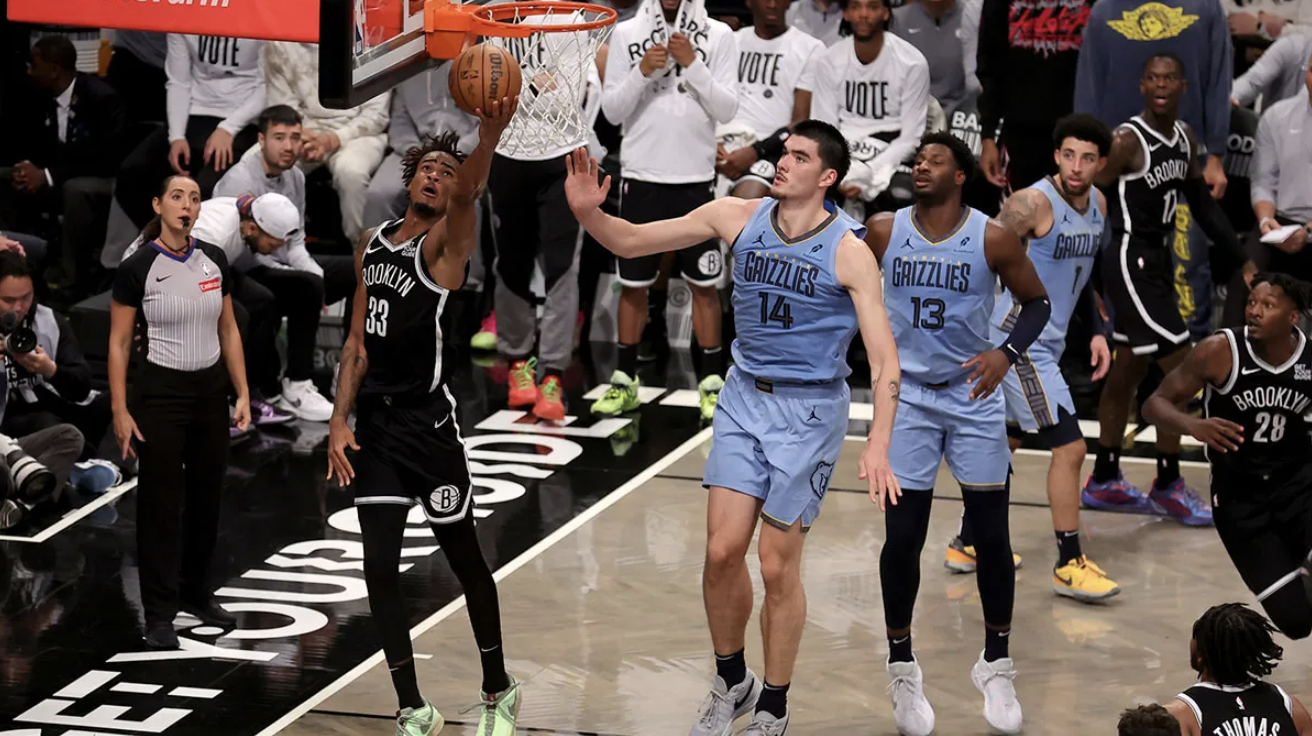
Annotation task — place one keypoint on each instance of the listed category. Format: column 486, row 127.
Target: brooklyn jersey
column 1063, row 259
column 1269, row 402
column 1261, row 708
column 939, row 295
column 1144, row 206
column 794, row 320
column 871, row 100
column 769, row 71
column 402, row 319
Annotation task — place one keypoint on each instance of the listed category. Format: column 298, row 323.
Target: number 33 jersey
column 939, row 295
column 794, row 320
column 402, row 318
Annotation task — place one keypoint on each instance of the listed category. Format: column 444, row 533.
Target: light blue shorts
column 1035, row 392
column 778, row 443
column 934, row 424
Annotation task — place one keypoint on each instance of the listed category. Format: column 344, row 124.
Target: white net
column 560, row 71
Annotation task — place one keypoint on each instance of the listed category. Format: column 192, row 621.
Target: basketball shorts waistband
column 817, row 390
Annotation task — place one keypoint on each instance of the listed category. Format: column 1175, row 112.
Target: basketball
column 482, row 74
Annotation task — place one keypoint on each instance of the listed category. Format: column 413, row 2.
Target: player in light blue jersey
column 803, row 283
column 1064, row 220
column 942, row 261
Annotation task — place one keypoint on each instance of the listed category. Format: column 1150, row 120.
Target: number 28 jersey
column 1269, row 402
column 939, row 295
column 402, row 319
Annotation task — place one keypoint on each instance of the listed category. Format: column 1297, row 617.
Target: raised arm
column 858, row 272
column 351, row 369
column 452, row 240
column 1027, row 213
column 1209, row 362
column 721, row 218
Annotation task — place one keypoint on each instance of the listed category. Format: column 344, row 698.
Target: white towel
column 691, row 22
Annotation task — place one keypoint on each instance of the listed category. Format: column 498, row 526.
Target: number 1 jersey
column 939, row 295
column 402, row 319
column 794, row 320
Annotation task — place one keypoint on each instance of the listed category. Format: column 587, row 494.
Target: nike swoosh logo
column 367, row 251
column 1152, row 147
column 1249, row 371
column 913, row 30
column 1062, row 578
column 162, row 278
column 438, row 425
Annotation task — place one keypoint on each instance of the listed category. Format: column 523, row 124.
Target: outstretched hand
column 494, row 121
column 582, row 189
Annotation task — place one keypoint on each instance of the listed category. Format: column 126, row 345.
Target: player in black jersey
column 409, row 448
column 1259, row 387
column 1153, row 161
column 1232, row 650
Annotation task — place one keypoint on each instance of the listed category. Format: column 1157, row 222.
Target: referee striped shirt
column 179, row 299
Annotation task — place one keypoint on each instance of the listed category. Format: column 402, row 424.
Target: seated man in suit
column 71, row 153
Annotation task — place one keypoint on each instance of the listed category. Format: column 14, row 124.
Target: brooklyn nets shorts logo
column 709, row 264
column 820, row 478
column 762, row 169
column 445, row 499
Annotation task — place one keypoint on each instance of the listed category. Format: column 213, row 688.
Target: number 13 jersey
column 939, row 295
column 794, row 320
column 402, row 318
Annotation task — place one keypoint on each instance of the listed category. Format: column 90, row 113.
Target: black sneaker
column 11, row 513
column 160, row 635
column 211, row 614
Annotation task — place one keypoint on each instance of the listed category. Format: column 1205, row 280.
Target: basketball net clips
column 556, row 45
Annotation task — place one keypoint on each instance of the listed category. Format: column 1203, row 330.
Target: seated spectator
column 874, row 87
column 28, row 245
column 421, row 106
column 51, row 453
column 50, row 384
column 74, row 147
column 776, row 65
column 215, row 90
column 246, row 228
column 302, row 283
column 1147, row 720
column 934, row 28
column 350, row 142
column 821, row 19
column 136, row 70
column 1281, row 194
column 1278, row 73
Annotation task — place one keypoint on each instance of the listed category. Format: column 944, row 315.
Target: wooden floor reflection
column 607, row 630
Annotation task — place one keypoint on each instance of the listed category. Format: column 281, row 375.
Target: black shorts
column 1051, row 436
column 642, row 202
column 1267, row 536
column 1137, row 278
column 412, row 453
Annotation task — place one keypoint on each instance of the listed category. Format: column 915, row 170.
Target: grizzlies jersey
column 1260, row 708
column 769, row 72
column 1269, row 402
column 1144, row 206
column 402, row 329
column 939, row 296
column 1063, row 259
column 794, row 320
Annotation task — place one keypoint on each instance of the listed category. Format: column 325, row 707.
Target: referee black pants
column 183, row 419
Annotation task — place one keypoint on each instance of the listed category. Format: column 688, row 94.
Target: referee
column 177, row 288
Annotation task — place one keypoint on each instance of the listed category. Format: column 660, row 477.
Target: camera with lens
column 18, row 338
column 29, row 480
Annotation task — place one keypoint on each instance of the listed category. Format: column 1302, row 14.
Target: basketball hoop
column 556, row 45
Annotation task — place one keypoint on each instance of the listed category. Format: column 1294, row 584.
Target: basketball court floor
column 596, row 531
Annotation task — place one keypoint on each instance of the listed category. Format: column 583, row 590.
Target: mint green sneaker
column 709, row 390
column 424, row 721
column 621, row 397
column 499, row 711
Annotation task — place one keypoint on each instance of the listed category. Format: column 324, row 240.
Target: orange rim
column 498, row 20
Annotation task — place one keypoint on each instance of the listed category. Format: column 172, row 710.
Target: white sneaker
column 996, row 680
column 911, row 710
column 304, row 400
column 764, row 724
column 724, row 705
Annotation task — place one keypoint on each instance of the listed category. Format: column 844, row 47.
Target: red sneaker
column 523, row 384
column 550, row 405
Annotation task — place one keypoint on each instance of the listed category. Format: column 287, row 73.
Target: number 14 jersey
column 402, row 319
column 939, row 295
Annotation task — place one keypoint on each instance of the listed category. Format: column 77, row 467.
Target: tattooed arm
column 858, row 272
column 352, row 367
column 1027, row 213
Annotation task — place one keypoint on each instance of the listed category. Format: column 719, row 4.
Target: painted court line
column 75, row 515
column 528, row 556
column 1090, row 456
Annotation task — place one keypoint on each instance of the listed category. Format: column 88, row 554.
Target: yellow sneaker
column 1084, row 581
column 960, row 559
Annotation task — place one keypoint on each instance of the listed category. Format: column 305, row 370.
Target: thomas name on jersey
column 387, row 274
column 931, row 272
column 1271, row 397
column 1167, row 171
column 1077, row 245
column 773, row 270
column 1247, row 726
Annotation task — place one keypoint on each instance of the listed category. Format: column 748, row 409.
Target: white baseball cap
column 276, row 215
